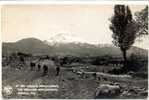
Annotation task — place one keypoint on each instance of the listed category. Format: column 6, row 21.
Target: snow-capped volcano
column 64, row 38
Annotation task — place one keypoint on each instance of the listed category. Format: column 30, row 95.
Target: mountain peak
column 65, row 38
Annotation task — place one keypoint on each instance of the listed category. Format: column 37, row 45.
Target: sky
column 89, row 22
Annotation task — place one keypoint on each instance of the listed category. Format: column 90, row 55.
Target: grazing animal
column 94, row 75
column 39, row 67
column 45, row 69
column 32, row 65
column 57, row 70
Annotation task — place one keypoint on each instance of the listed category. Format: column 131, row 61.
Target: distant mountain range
column 61, row 45
column 63, row 38
column 28, row 45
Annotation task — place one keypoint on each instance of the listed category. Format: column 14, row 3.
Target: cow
column 94, row 75
column 32, row 65
column 39, row 67
column 57, row 70
column 45, row 70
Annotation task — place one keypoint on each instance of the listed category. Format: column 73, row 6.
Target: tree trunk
column 124, row 55
column 125, row 59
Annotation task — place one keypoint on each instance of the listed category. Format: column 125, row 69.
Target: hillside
column 28, row 45
column 36, row 46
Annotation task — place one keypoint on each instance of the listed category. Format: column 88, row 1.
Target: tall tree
column 124, row 29
column 141, row 19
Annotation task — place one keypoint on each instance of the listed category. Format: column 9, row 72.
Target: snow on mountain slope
column 64, row 38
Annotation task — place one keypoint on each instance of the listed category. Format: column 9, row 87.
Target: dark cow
column 57, row 70
column 45, row 69
column 94, row 75
column 32, row 65
column 39, row 67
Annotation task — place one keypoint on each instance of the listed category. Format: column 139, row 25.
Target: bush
column 117, row 71
column 141, row 75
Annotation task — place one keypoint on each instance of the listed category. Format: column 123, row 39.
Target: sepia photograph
column 74, row 51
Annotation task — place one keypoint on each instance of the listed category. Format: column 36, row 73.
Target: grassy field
column 71, row 85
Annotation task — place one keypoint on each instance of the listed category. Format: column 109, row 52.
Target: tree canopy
column 141, row 19
column 123, row 26
column 124, row 29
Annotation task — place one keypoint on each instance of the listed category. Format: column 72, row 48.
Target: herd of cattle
column 44, row 62
column 45, row 65
column 35, row 63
